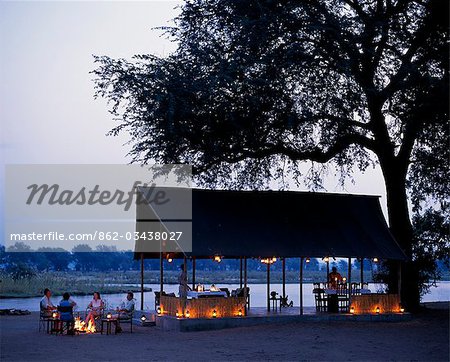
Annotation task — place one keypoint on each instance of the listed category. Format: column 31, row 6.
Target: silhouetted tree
column 256, row 87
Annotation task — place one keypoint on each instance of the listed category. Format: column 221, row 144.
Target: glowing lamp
column 143, row 318
column 307, row 260
column 170, row 260
column 187, row 314
column 326, row 259
column 54, row 315
column 377, row 310
column 274, row 260
column 240, row 312
column 159, row 310
column 402, row 310
column 344, row 279
column 217, row 258
column 109, row 316
column 177, row 314
column 375, row 260
column 214, row 314
column 352, row 310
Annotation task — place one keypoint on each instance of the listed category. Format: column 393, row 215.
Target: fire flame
column 82, row 327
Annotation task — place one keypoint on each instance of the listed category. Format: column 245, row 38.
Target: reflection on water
column 257, row 293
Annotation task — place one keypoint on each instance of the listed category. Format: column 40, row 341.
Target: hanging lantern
column 217, row 258
column 307, row 260
column 187, row 314
column 326, row 259
column 375, row 260
column 274, row 260
column 169, row 259
column 214, row 314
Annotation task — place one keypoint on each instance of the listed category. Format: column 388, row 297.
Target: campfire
column 82, row 327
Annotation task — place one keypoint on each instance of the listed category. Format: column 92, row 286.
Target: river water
column 257, row 296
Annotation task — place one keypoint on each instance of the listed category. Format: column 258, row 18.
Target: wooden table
column 109, row 322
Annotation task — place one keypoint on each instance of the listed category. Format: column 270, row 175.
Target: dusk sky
column 48, row 114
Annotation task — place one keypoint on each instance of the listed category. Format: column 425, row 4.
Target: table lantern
column 54, row 315
column 187, row 314
column 352, row 310
column 377, row 310
column 214, row 314
column 240, row 312
column 109, row 316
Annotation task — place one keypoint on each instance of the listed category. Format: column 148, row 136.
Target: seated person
column 125, row 311
column 46, row 305
column 95, row 308
column 334, row 278
column 66, row 310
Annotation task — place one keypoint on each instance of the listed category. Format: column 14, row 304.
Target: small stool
column 109, row 322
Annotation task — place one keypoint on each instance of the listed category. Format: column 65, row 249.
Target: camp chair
column 127, row 320
column 97, row 318
column 66, row 325
column 321, row 300
column 44, row 320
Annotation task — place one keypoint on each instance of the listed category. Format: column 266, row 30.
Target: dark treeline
column 82, row 258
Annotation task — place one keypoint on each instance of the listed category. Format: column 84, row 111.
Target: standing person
column 334, row 278
column 183, row 283
column 95, row 307
column 183, row 287
column 46, row 305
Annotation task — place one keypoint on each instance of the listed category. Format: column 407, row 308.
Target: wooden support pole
column 301, row 285
column 328, row 271
column 284, row 277
column 245, row 286
column 240, row 272
column 268, row 286
column 142, row 281
column 349, row 277
column 161, row 273
column 362, row 271
column 193, row 273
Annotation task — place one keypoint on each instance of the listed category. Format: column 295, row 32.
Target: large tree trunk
column 400, row 225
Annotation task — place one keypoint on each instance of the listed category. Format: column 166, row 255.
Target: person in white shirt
column 46, row 305
column 125, row 311
column 95, row 308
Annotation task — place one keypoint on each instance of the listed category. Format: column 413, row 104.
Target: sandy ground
column 425, row 338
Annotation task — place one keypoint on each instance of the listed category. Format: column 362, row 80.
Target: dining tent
column 269, row 224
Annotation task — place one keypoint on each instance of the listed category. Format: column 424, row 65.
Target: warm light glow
column 109, row 316
column 326, row 259
column 143, row 318
column 169, row 259
column 159, row 310
column 214, row 314
column 307, row 260
column 240, row 312
column 352, row 310
column 218, row 258
column 268, row 260
column 377, row 310
column 177, row 314
column 187, row 314
column 402, row 310
column 55, row 315
column 375, row 260
column 344, row 279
